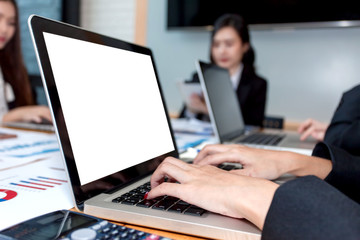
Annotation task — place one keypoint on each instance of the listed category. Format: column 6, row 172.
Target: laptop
column 226, row 118
column 113, row 130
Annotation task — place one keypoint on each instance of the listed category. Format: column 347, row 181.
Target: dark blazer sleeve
column 345, row 173
column 309, row 208
column 344, row 129
column 251, row 94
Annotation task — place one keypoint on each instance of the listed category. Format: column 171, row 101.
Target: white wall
column 307, row 70
column 113, row 18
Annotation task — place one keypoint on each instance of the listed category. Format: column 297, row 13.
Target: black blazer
column 344, row 129
column 310, row 208
column 251, row 94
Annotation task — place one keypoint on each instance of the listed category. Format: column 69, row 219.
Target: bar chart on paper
column 33, row 180
column 39, row 183
column 33, row 191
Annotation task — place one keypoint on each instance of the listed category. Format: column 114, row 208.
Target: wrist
column 308, row 165
column 256, row 200
column 293, row 163
column 284, row 162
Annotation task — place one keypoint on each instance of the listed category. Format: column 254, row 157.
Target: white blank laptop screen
column 111, row 103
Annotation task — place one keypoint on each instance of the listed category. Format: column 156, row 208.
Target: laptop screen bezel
column 38, row 25
column 222, row 137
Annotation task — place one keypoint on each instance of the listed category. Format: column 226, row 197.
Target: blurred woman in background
column 231, row 49
column 16, row 98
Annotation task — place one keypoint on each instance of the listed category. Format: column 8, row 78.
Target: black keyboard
column 228, row 167
column 263, row 139
column 166, row 203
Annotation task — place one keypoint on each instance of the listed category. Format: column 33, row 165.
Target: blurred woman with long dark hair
column 16, row 98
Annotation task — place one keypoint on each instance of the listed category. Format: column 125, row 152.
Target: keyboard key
column 118, row 199
column 195, row 211
column 137, row 196
column 221, row 165
column 130, row 201
column 152, row 237
column 124, row 235
column 228, row 167
column 126, row 195
column 143, row 190
column 181, row 202
column 140, row 234
column 171, row 198
column 159, row 198
column 146, row 203
column 164, row 204
column 178, row 208
column 122, row 228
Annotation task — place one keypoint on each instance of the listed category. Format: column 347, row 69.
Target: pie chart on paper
column 9, row 194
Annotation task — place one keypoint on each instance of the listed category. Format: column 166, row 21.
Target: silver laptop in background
column 226, row 118
column 113, row 128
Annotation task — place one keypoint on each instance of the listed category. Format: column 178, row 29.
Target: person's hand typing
column 214, row 189
column 261, row 163
column 255, row 162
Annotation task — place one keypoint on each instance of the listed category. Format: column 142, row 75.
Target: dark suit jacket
column 344, row 129
column 251, row 94
column 310, row 208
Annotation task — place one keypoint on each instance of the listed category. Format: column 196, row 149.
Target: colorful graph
column 9, row 195
column 25, row 150
column 39, row 183
column 52, row 179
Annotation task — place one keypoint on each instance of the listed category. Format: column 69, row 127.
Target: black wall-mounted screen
column 200, row 13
